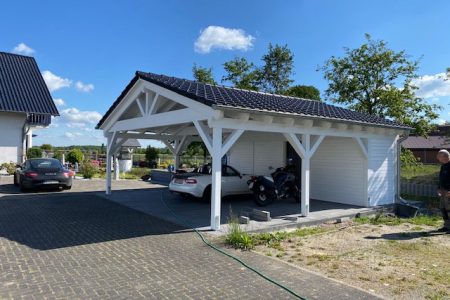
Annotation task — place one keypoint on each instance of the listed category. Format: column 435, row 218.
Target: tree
column 151, row 153
column 241, row 74
column 203, row 75
column 34, row 152
column 277, row 69
column 304, row 91
column 377, row 80
column 46, row 147
column 75, row 156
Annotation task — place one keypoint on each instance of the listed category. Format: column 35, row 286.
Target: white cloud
column 72, row 135
column 441, row 121
column 76, row 125
column 74, row 115
column 23, row 49
column 432, row 86
column 59, row 102
column 84, row 87
column 217, row 37
column 55, row 82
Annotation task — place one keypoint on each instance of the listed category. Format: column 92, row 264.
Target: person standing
column 444, row 188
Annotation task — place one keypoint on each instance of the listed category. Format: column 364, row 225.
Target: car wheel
column 207, row 194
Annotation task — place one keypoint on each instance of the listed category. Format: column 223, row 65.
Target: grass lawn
column 135, row 173
column 421, row 174
column 392, row 257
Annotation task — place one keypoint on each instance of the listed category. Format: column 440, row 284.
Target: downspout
column 25, row 130
column 399, row 199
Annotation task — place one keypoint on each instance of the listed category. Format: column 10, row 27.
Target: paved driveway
column 79, row 245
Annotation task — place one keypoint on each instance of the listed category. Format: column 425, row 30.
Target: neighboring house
column 426, row 149
column 343, row 156
column 25, row 104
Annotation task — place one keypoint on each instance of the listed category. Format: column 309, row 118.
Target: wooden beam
column 316, row 145
column 141, row 109
column 154, row 106
column 203, row 132
column 158, row 120
column 231, row 139
column 362, row 146
column 295, row 143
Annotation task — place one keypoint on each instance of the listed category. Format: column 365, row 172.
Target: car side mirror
column 19, row 167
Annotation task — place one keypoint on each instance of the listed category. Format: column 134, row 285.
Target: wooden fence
column 418, row 189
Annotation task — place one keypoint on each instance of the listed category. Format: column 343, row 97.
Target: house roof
column 228, row 97
column 131, row 143
column 431, row 142
column 22, row 88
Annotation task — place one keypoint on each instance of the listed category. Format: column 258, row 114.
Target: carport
column 346, row 156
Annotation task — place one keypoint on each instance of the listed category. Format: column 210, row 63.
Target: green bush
column 236, row 237
column 74, row 156
column 9, row 167
column 34, row 153
column 88, row 169
column 151, row 153
column 408, row 160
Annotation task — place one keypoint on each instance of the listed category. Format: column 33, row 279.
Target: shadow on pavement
column 57, row 220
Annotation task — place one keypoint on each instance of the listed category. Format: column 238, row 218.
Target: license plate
column 50, row 174
column 179, row 181
column 51, row 182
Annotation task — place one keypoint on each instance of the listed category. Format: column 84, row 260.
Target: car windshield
column 45, row 164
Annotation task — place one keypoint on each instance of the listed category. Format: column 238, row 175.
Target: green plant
column 9, row 167
column 88, row 169
column 74, row 156
column 34, row 153
column 408, row 160
column 236, row 237
column 151, row 153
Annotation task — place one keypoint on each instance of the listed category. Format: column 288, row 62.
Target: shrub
column 9, row 167
column 74, row 156
column 408, row 160
column 151, row 153
column 89, row 169
column 238, row 238
column 34, row 153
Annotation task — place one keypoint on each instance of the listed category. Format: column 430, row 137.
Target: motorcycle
column 281, row 184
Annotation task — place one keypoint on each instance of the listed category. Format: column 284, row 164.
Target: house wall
column 382, row 172
column 11, row 143
column 339, row 172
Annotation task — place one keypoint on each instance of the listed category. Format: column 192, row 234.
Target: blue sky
column 91, row 49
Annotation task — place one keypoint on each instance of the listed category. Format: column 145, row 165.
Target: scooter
column 282, row 184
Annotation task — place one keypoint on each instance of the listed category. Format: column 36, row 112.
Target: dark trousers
column 444, row 205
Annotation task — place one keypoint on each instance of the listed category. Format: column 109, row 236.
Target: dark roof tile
column 238, row 98
column 22, row 88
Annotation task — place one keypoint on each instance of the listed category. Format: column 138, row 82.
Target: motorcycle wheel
column 262, row 198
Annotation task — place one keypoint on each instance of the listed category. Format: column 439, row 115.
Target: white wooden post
column 306, row 141
column 108, row 169
column 216, row 178
column 116, row 168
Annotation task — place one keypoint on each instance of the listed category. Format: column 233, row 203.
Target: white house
column 346, row 156
column 25, row 103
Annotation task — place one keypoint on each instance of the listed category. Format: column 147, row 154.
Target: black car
column 43, row 172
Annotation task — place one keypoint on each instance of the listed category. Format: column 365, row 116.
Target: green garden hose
column 204, row 240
